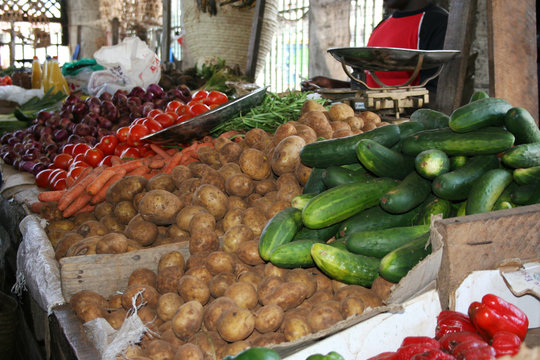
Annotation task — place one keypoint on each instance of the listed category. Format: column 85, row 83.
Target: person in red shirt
column 413, row 24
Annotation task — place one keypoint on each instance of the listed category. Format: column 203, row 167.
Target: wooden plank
column 254, row 39
column 483, row 241
column 512, row 52
column 459, row 36
column 107, row 274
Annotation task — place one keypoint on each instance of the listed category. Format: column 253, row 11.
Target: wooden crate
column 483, row 241
column 107, row 274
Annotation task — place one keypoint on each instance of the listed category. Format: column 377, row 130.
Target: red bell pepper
column 449, row 321
column 506, row 343
column 451, row 340
column 408, row 351
column 473, row 349
column 494, row 314
column 433, row 355
column 421, row 340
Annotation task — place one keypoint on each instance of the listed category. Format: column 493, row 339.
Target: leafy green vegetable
column 29, row 110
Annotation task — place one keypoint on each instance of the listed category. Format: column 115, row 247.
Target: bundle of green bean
column 272, row 112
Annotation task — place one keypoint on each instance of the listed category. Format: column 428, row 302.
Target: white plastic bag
column 128, row 64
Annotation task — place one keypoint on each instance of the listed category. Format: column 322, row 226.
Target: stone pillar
column 83, row 16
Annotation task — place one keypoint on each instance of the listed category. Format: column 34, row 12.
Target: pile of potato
column 213, row 305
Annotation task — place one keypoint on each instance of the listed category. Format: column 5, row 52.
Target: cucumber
column 457, row 161
column 522, row 156
column 505, row 199
column 462, row 210
column 376, row 218
column 432, row 163
column 521, row 194
column 455, row 185
column 521, row 123
column 378, row 243
column 341, row 202
column 314, row 183
column 479, row 114
column 477, row 95
column 487, row 189
column 354, row 167
column 406, row 129
column 410, row 193
column 382, row 161
column 434, row 207
column 431, row 119
column 293, row 255
column 337, row 175
column 279, row 230
column 529, row 175
column 339, row 243
column 344, row 266
column 397, row 263
column 322, row 234
column 300, row 201
column 342, row 151
column 486, row 141
column 535, row 196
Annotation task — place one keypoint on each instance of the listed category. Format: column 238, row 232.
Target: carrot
column 54, row 195
column 101, row 194
column 175, row 160
column 100, row 180
column 75, row 191
column 156, row 164
column 141, row 170
column 128, row 166
column 81, row 201
column 85, row 209
column 172, row 151
column 115, row 160
column 158, row 150
column 37, row 206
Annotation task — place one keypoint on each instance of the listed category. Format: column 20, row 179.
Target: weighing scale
column 388, row 101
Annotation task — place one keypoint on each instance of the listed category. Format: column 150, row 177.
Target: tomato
column 154, row 112
column 198, row 108
column 107, row 144
column 55, row 176
column 59, row 184
column 75, row 171
column 215, row 98
column 144, row 149
column 152, row 125
column 80, row 148
column 199, row 95
column 181, row 110
column 136, row 132
column 122, row 134
column 68, row 149
column 120, row 148
column 131, row 152
column 62, row 161
column 93, row 156
column 165, row 120
column 79, row 157
column 79, row 163
column 42, row 178
column 106, row 160
column 183, row 118
column 173, row 105
column 137, row 121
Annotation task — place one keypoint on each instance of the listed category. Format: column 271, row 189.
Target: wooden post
column 512, row 53
column 166, row 34
column 254, row 40
column 115, row 29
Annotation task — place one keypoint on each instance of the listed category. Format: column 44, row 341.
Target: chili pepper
column 433, row 355
column 473, row 349
column 451, row 340
column 330, row 356
column 494, row 314
column 388, row 355
column 255, row 353
column 449, row 321
column 505, row 343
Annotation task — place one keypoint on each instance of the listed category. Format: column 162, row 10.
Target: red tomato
column 122, row 134
column 79, row 163
column 107, row 144
column 106, row 160
column 136, row 132
column 79, row 157
column 137, row 121
column 93, row 156
column 199, row 95
column 59, row 184
column 152, row 125
column 215, row 98
column 173, row 105
column 120, row 148
column 55, row 176
column 68, row 149
column 181, row 110
column 183, row 118
column 165, row 120
column 131, row 152
column 42, row 178
column 62, row 161
column 75, row 171
column 80, row 148
column 154, row 112
column 198, row 108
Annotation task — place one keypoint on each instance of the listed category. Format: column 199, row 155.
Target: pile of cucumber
column 374, row 193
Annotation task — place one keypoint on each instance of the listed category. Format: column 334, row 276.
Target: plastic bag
column 128, row 64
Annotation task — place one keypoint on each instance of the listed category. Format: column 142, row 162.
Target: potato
column 168, row 304
column 192, row 288
column 83, row 217
column 267, row 285
column 233, row 217
column 324, row 316
column 232, row 349
column 235, row 324
column 221, row 141
column 311, row 105
column 212, row 199
column 162, row 181
column 220, row 283
column 91, row 312
column 126, row 188
column 243, row 294
column 102, row 209
column 340, row 111
column 142, row 231
column 189, row 352
column 189, row 185
column 323, row 281
column 159, row 350
column 369, row 126
column 339, row 125
column 213, row 311
column 112, row 243
column 92, row 228
column 252, row 277
column 369, row 116
column 268, row 318
column 187, row 320
column 84, row 297
column 214, row 178
column 368, row 296
column 284, row 130
column 112, row 224
column 277, row 207
column 307, row 133
column 342, row 133
column 201, row 272
column 255, row 136
column 240, row 185
column 265, row 186
column 143, row 293
column 303, row 276
column 248, row 252
column 272, row 270
column 209, row 342
column 220, row 262
column 252, row 199
column 355, row 123
column 179, row 174
column 169, row 336
column 318, row 122
column 209, row 156
column 255, row 219
column 197, row 260
column 203, row 240
column 186, row 214
column 229, row 168
column 86, row 246
column 167, row 279
column 336, row 285
column 287, row 295
column 320, row 296
column 287, row 154
column 268, row 339
column 302, row 173
column 351, row 306
column 173, row 258
column 295, row 328
column 115, row 302
column 63, row 245
column 230, row 152
column 255, row 164
column 159, row 207
column 382, row 288
column 203, row 221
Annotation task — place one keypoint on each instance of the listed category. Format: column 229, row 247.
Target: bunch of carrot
column 83, row 193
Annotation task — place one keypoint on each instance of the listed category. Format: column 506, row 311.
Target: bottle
column 36, row 73
column 45, row 74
